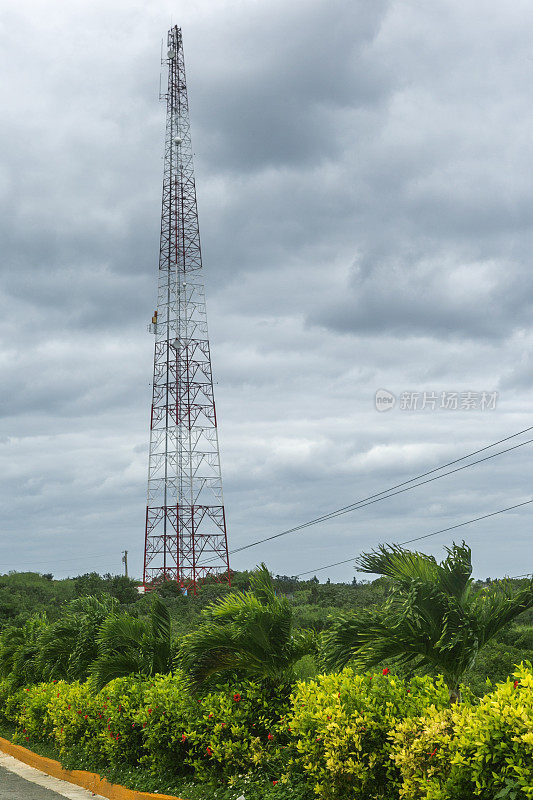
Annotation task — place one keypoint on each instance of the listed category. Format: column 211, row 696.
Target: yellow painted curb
column 87, row 780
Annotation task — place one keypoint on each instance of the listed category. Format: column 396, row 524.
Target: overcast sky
column 364, row 177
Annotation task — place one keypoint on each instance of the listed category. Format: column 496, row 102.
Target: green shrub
column 164, row 716
column 78, row 718
column 342, row 723
column 423, row 748
column 232, row 731
column 14, row 701
column 483, row 750
column 6, row 691
column 237, row 731
column 120, row 703
column 34, row 723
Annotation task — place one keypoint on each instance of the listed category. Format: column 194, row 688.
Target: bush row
column 347, row 736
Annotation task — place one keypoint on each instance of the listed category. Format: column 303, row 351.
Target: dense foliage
column 340, row 737
column 224, row 688
column 42, row 619
column 434, row 619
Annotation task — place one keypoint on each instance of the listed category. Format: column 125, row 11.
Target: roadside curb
column 87, row 780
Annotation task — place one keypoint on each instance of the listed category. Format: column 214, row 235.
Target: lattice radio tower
column 185, row 537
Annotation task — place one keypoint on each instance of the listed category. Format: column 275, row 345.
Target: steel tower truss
column 185, row 538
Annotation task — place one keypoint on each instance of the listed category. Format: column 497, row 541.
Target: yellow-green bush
column 121, row 735
column 33, row 720
column 422, row 750
column 161, row 719
column 78, row 716
column 353, row 737
column 342, row 723
column 483, row 751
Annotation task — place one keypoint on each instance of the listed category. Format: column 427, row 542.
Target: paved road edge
column 87, row 780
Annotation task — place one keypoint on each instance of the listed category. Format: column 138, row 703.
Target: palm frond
column 113, row 665
column 493, row 610
column 455, row 571
column 392, row 561
column 161, row 636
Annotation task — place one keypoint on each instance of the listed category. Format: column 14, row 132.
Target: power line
column 425, row 536
column 370, row 500
column 387, row 493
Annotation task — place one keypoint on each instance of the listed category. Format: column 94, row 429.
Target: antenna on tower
column 185, row 526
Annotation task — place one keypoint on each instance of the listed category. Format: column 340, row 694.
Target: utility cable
column 387, row 493
column 425, row 536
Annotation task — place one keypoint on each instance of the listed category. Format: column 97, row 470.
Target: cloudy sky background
column 365, row 196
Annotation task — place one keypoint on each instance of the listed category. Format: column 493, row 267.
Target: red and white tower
column 185, row 535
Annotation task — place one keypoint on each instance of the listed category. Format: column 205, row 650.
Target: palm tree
column 248, row 633
column 433, row 619
column 19, row 651
column 127, row 645
column 69, row 646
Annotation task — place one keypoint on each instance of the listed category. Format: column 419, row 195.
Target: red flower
column 270, row 737
column 223, row 725
column 433, row 753
column 515, row 684
column 85, row 717
column 132, row 724
column 210, row 716
column 183, row 737
column 209, row 751
column 144, row 724
column 54, row 681
column 69, row 708
column 386, row 671
column 149, row 710
column 274, row 782
column 58, row 694
column 237, row 697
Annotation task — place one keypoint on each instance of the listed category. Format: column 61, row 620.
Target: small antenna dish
column 178, row 139
column 171, row 54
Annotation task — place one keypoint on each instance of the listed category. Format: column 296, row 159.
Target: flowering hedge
column 346, row 736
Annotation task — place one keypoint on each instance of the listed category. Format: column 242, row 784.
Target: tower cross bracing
column 185, row 530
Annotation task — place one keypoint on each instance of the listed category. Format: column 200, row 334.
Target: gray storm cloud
column 363, row 176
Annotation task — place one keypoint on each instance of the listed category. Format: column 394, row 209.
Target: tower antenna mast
column 185, row 530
